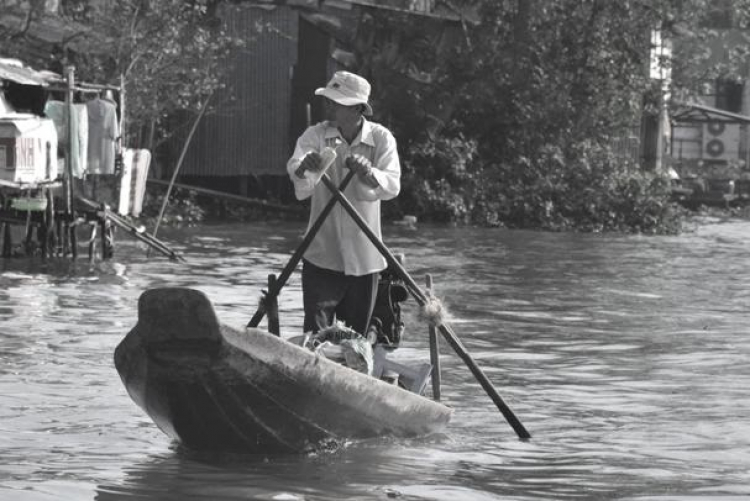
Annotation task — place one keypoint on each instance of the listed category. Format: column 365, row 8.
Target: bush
column 585, row 188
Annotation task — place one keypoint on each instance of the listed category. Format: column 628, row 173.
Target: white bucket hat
column 347, row 89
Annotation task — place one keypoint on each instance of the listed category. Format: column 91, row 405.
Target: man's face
column 341, row 114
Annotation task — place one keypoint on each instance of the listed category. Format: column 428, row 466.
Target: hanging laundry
column 103, row 134
column 79, row 124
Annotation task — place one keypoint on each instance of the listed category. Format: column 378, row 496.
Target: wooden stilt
column 61, row 240
column 434, row 351
column 41, row 239
column 7, row 241
column 50, row 237
column 108, row 239
column 28, row 244
column 74, row 239
column 92, row 241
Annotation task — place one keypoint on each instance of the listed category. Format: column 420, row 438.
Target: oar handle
column 421, row 298
column 297, row 256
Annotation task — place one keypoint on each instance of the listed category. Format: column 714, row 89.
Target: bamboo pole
column 70, row 81
column 179, row 164
column 298, row 253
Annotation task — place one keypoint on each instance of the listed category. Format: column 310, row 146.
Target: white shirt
column 340, row 244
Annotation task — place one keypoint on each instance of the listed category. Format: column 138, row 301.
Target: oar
column 297, row 256
column 422, row 299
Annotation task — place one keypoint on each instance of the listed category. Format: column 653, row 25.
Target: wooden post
column 42, row 239
column 73, row 229
column 92, row 241
column 123, row 124
column 7, row 242
column 50, row 239
column 62, row 237
column 272, row 306
column 108, row 241
column 434, row 351
column 28, row 248
column 67, row 229
column 104, row 237
column 70, row 81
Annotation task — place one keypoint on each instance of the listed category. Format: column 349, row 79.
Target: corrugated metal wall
column 249, row 135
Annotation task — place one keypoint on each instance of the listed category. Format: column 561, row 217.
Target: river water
column 626, row 357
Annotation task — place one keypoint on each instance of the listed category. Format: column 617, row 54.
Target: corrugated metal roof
column 699, row 113
column 15, row 71
column 428, row 8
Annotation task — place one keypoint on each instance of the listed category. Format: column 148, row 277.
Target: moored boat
column 212, row 387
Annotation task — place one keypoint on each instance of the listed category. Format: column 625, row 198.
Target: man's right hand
column 311, row 162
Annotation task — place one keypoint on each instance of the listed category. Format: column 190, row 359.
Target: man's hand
column 311, row 162
column 363, row 167
column 359, row 164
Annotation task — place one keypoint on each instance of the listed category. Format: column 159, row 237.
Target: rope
column 433, row 311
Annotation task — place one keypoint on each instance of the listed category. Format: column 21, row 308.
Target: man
column 341, row 267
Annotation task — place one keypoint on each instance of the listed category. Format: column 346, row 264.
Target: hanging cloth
column 79, row 124
column 103, row 134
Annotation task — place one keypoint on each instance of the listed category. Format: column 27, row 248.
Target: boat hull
column 215, row 388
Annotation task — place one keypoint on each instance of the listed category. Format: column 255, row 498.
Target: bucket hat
column 347, row 89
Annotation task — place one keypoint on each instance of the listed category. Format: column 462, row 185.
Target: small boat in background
column 215, row 388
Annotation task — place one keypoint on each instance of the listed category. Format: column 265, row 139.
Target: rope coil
column 433, row 311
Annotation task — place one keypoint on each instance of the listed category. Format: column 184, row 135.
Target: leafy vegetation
column 538, row 96
column 171, row 54
column 513, row 121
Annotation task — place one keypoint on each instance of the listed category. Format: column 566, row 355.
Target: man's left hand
column 359, row 164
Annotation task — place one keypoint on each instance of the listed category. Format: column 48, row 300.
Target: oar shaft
column 297, row 256
column 421, row 298
column 480, row 376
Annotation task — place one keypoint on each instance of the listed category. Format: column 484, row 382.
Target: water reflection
column 624, row 356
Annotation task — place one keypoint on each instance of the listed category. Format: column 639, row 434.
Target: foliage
column 187, row 207
column 170, row 53
column 182, row 209
column 542, row 91
column 436, row 177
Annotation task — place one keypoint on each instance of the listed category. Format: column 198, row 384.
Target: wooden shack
column 294, row 46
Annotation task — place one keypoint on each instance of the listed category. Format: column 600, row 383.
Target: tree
column 171, row 54
column 543, row 90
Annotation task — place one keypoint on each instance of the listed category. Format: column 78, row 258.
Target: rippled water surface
column 626, row 357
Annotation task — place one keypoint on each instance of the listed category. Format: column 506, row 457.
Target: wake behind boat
column 212, row 387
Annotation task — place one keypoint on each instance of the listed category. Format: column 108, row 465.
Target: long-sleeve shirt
column 340, row 244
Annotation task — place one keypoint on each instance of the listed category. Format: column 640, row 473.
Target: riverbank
column 192, row 207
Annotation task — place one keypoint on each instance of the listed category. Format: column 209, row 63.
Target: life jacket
column 386, row 320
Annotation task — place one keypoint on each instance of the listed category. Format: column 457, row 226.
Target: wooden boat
column 215, row 388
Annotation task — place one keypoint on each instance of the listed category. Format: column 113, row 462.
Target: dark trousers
column 330, row 295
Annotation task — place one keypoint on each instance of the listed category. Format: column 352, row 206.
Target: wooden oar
column 297, row 256
column 422, row 299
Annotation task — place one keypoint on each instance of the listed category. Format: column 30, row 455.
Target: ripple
column 625, row 357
